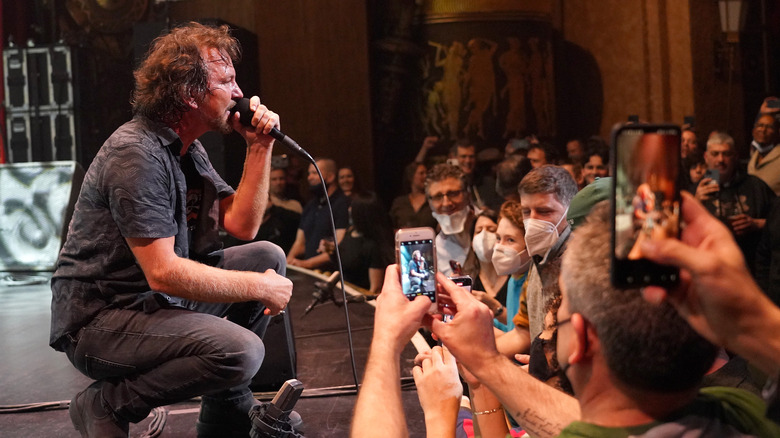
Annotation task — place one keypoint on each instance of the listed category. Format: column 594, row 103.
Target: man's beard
column 317, row 190
column 221, row 125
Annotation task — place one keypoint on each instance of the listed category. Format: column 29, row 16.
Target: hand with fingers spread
column 717, row 295
column 439, row 389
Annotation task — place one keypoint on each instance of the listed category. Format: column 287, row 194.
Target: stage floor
column 32, row 373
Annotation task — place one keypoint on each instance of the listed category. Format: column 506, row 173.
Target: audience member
column 278, row 191
column 315, row 222
column 765, row 155
column 510, row 258
column 516, row 146
column 717, row 295
column 367, row 246
column 281, row 217
column 689, row 143
column 428, row 143
column 509, row 173
column 596, row 161
column 541, row 154
column 412, row 210
column 464, row 154
column 694, row 168
column 484, row 179
column 741, row 201
column 575, row 151
column 489, row 287
column 378, row 409
column 585, row 199
column 451, row 205
column 575, row 170
column 346, row 179
column 545, row 194
column 636, row 367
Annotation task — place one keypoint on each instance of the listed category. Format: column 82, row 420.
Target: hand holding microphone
column 246, row 114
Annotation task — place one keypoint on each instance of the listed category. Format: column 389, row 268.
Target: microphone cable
column 340, row 269
column 245, row 113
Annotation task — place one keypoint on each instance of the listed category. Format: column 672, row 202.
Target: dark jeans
column 145, row 360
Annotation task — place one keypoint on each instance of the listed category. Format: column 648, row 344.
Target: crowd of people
column 505, row 217
column 545, row 345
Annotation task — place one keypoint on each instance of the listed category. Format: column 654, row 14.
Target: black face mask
column 563, row 381
column 538, row 366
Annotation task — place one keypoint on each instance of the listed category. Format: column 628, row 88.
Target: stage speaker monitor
column 36, row 203
column 280, row 362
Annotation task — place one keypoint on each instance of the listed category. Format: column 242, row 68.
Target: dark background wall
column 319, row 63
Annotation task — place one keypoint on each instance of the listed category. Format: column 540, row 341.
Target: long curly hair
column 174, row 70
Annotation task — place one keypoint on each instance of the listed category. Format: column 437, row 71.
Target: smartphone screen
column 416, row 259
column 646, row 201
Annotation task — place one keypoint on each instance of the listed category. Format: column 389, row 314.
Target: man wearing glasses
column 445, row 189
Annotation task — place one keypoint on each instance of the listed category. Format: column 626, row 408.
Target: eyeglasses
column 560, row 323
column 452, row 195
column 764, row 125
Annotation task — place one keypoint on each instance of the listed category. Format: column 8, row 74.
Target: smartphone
column 773, row 103
column 645, row 201
column 463, row 281
column 415, row 251
column 713, row 174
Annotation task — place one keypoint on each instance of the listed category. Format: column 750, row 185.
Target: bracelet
column 498, row 310
column 490, row 411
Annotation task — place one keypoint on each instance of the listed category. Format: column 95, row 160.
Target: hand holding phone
column 416, row 259
column 645, row 201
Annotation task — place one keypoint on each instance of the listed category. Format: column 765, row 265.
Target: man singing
column 142, row 284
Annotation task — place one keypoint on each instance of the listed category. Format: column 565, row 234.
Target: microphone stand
column 323, row 291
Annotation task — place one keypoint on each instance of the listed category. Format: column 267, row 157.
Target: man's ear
column 582, row 336
column 189, row 99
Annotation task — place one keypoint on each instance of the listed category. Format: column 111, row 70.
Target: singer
column 142, row 283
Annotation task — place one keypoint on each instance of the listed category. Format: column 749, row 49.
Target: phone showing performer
column 416, row 259
column 645, row 201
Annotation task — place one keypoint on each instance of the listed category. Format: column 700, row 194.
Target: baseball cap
column 590, row 195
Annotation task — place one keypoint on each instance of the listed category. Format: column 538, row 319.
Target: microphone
column 242, row 107
column 323, row 291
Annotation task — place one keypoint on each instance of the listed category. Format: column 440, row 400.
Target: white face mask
column 541, row 235
column 483, row 245
column 507, row 260
column 452, row 223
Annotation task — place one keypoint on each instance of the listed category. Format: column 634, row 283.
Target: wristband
column 489, row 411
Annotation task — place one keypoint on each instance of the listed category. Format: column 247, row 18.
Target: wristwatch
column 498, row 310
